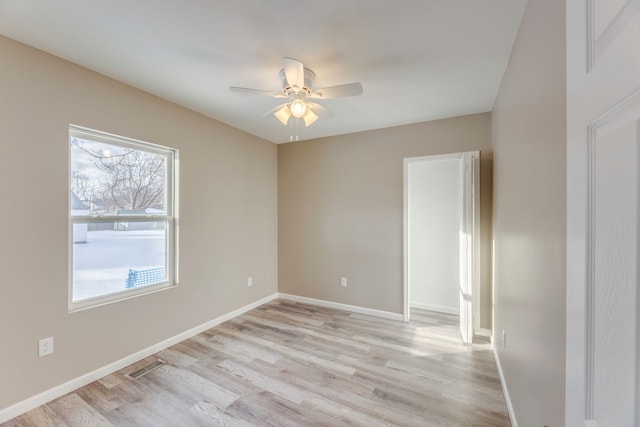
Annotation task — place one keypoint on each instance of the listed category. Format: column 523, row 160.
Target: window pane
column 121, row 211
column 110, row 257
column 109, row 179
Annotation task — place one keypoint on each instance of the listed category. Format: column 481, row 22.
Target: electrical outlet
column 250, row 281
column 343, row 282
column 45, row 346
column 504, row 338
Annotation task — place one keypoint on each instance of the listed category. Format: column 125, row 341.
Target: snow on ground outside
column 101, row 265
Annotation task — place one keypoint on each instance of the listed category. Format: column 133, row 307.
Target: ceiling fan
column 297, row 88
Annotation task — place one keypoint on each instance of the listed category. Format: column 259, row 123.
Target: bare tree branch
column 131, row 179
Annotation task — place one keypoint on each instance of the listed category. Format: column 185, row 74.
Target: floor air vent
column 145, row 369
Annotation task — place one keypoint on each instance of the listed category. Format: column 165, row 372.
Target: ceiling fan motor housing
column 309, row 78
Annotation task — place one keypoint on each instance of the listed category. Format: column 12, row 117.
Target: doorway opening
column 442, row 236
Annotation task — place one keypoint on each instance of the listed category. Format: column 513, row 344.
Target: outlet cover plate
column 45, row 346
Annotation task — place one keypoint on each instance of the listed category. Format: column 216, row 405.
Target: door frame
column 469, row 218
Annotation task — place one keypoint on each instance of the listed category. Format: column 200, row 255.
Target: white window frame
column 170, row 218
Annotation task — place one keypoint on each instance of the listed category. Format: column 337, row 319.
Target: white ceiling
column 417, row 60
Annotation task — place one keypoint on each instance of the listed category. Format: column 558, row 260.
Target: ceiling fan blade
column 294, row 72
column 319, row 110
column 256, row 91
column 340, row 91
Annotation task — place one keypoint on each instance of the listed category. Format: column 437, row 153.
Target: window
column 122, row 218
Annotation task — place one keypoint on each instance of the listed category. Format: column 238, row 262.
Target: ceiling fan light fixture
column 298, row 108
column 283, row 114
column 309, row 117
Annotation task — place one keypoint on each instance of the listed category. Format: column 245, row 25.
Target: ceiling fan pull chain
column 291, row 130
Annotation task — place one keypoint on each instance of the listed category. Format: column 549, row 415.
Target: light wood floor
column 291, row 364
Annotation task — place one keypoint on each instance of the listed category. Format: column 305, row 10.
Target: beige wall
column 486, row 243
column 340, row 204
column 228, row 221
column 528, row 133
column 434, row 234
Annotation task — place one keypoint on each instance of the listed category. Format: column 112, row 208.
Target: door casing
column 469, row 244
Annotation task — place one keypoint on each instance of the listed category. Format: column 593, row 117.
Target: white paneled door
column 603, row 296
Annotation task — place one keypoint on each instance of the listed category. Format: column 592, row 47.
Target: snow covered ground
column 101, row 265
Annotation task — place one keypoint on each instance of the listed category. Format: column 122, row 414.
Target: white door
column 603, row 130
column 469, row 246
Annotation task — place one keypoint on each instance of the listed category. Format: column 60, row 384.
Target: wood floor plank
column 211, row 415
column 264, row 382
column 74, row 411
column 188, row 384
column 292, row 364
column 42, row 416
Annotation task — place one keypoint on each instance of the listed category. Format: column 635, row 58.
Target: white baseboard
column 505, row 390
column 58, row 391
column 483, row 332
column 436, row 308
column 352, row 308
